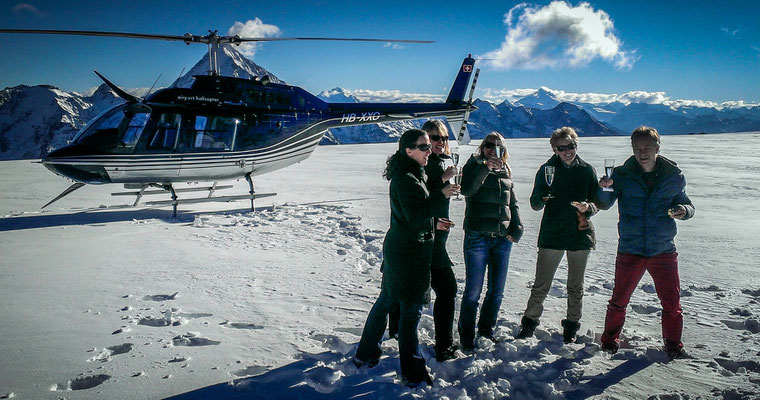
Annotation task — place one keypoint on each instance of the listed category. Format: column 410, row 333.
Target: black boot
column 528, row 326
column 570, row 329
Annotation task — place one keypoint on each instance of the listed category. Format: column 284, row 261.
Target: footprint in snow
column 82, row 383
column 648, row 288
column 750, row 324
column 106, row 353
column 162, row 297
column 192, row 340
column 734, row 366
column 252, row 370
column 711, row 288
column 240, row 325
column 333, row 343
column 639, row 309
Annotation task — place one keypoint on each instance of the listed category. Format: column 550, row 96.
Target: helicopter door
column 155, row 157
column 207, row 146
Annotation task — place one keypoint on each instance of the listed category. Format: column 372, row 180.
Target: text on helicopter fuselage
column 364, row 117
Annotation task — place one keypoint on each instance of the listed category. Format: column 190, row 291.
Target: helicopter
column 221, row 127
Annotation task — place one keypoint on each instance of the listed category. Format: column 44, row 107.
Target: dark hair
column 408, row 140
column 646, row 132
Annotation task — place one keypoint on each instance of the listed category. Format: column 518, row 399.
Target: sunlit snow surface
column 100, row 302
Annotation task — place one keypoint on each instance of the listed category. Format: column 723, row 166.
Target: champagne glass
column 455, row 158
column 549, row 175
column 457, row 171
column 609, row 165
column 499, row 152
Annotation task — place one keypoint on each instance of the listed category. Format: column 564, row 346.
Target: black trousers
column 444, row 285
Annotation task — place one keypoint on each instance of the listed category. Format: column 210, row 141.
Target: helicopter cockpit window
column 215, row 133
column 117, row 130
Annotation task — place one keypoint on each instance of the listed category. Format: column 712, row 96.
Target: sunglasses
column 570, row 146
column 490, row 145
column 437, row 138
column 422, row 147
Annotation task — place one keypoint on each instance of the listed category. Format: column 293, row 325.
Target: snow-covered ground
column 112, row 303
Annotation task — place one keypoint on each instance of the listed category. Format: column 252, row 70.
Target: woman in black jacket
column 491, row 225
column 442, row 280
column 407, row 252
column 565, row 229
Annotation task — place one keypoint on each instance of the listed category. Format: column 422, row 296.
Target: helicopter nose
column 70, row 162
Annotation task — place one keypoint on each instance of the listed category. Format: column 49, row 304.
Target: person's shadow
column 596, row 385
column 311, row 378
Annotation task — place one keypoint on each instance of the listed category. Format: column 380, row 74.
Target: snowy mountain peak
column 231, row 63
column 338, row 95
column 542, row 99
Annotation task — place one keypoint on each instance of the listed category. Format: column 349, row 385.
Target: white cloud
column 558, row 35
column 253, row 28
column 730, row 32
column 394, row 46
column 25, row 7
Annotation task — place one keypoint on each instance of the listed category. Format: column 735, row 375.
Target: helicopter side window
column 167, row 129
column 135, row 129
column 214, row 133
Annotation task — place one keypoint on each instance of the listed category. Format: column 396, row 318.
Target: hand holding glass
column 549, row 175
column 458, row 179
column 609, row 166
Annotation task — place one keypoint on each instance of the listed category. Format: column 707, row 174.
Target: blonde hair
column 565, row 132
column 499, row 140
column 432, row 126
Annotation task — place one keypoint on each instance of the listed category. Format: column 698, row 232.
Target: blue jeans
column 481, row 252
column 369, row 351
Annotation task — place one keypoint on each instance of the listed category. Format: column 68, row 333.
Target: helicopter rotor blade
column 212, row 37
column 331, row 39
column 96, row 33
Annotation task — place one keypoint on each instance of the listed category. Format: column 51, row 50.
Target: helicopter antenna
column 154, row 85
column 180, row 76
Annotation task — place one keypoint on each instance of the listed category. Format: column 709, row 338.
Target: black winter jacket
column 559, row 224
column 408, row 245
column 434, row 170
column 491, row 205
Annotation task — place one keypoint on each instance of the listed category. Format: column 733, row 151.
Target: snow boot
column 570, row 330
column 527, row 327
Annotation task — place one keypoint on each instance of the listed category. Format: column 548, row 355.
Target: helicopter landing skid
column 168, row 187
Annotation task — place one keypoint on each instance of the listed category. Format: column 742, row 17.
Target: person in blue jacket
column 651, row 194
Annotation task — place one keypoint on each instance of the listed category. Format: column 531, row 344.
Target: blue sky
column 653, row 51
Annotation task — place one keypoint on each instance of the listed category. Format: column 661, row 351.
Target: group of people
column 651, row 194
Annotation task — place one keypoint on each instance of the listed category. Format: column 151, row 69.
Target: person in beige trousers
column 566, row 229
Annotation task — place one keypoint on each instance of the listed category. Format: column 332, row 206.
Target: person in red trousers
column 651, row 195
